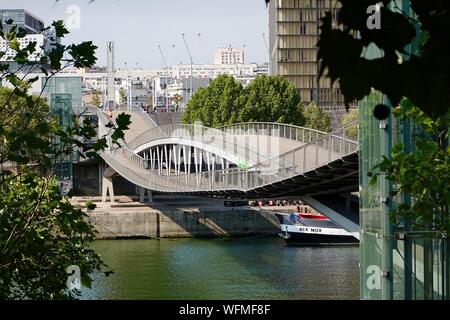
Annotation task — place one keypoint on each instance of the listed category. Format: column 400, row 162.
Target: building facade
column 293, row 35
column 212, row 71
column 397, row 261
column 35, row 33
column 182, row 89
column 39, row 39
column 64, row 85
column 64, row 97
column 21, row 19
column 229, row 55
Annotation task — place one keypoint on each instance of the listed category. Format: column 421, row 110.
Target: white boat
column 305, row 228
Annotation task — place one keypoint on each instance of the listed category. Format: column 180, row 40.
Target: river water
column 251, row 268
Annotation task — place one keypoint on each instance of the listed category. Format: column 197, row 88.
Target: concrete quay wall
column 150, row 222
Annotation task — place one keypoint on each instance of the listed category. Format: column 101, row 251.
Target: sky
column 138, row 26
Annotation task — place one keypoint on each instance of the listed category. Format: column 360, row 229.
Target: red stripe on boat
column 313, row 216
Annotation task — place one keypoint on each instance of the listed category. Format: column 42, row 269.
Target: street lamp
column 166, row 98
column 192, row 62
column 129, row 88
column 242, row 62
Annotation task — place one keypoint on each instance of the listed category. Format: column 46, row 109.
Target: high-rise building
column 21, row 19
column 293, row 35
column 229, row 55
column 39, row 39
column 35, row 32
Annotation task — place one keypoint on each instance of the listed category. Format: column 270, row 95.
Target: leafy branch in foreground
column 423, row 77
column 423, row 174
column 41, row 233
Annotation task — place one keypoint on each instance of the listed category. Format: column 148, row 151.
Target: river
column 251, row 268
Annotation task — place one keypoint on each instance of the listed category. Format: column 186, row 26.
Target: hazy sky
column 139, row 26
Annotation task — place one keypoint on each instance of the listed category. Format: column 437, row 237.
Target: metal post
column 175, row 159
column 387, row 287
column 330, row 147
column 178, row 160
column 158, row 154
column 169, row 163
column 166, row 159
column 192, row 62
column 189, row 160
column 185, row 159
column 317, row 153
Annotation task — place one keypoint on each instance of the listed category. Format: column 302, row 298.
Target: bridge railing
column 149, row 120
column 281, row 130
column 303, row 159
column 203, row 135
column 132, row 166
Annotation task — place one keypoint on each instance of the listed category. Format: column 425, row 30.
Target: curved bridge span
column 250, row 160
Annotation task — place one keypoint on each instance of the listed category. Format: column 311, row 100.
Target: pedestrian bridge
column 248, row 160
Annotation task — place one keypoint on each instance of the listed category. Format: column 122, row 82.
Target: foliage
column 271, row 99
column 24, row 129
column 90, row 205
column 316, row 118
column 216, row 105
column 224, row 101
column 123, row 96
column 41, row 233
column 176, row 99
column 96, row 100
column 423, row 174
column 423, row 78
column 352, row 130
column 149, row 102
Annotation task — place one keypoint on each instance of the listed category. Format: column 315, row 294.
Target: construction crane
column 268, row 49
column 191, row 91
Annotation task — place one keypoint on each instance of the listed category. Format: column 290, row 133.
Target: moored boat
column 306, row 228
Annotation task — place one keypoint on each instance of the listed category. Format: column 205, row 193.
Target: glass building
column 64, row 96
column 21, row 19
column 396, row 262
column 60, row 84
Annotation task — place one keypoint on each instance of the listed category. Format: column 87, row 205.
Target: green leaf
column 60, row 29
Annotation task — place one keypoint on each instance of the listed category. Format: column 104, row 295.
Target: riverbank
column 179, row 217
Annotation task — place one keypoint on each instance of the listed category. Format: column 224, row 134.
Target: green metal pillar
column 387, row 230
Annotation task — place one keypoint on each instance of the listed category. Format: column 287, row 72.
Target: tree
column 224, row 101
column 316, row 118
column 46, row 235
column 149, row 102
column 177, row 98
column 122, row 96
column 41, row 233
column 271, row 99
column 413, row 72
column 422, row 76
column 216, row 105
column 96, row 100
column 352, row 130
